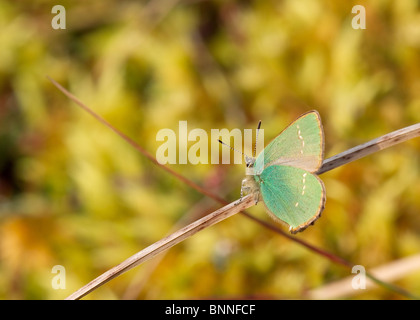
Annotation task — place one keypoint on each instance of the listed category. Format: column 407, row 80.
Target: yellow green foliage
column 74, row 194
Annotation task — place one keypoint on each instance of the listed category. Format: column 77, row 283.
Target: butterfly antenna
column 232, row 148
column 248, row 160
column 256, row 139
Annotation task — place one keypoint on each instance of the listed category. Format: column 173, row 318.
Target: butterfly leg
column 244, row 188
column 257, row 196
column 249, row 186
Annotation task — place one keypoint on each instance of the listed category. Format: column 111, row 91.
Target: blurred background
column 73, row 193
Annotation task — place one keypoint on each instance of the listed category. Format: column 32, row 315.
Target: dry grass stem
column 370, row 147
column 389, row 272
column 165, row 243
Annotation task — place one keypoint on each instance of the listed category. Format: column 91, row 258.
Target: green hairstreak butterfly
column 283, row 175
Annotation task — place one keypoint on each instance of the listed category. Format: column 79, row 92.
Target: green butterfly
column 283, row 175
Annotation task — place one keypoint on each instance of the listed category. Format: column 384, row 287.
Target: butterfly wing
column 300, row 145
column 292, row 195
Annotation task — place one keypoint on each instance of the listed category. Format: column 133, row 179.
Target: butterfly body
column 283, row 175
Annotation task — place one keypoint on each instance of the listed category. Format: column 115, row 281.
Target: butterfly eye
column 249, row 161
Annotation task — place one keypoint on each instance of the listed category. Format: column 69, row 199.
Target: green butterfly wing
column 300, row 145
column 292, row 195
column 284, row 171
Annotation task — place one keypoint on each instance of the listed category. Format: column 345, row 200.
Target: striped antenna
column 232, row 148
column 248, row 160
column 256, row 139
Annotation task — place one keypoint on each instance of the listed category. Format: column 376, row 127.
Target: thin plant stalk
column 165, row 243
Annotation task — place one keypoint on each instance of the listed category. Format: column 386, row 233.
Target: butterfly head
column 249, row 161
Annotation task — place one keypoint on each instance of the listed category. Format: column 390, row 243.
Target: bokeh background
column 74, row 194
